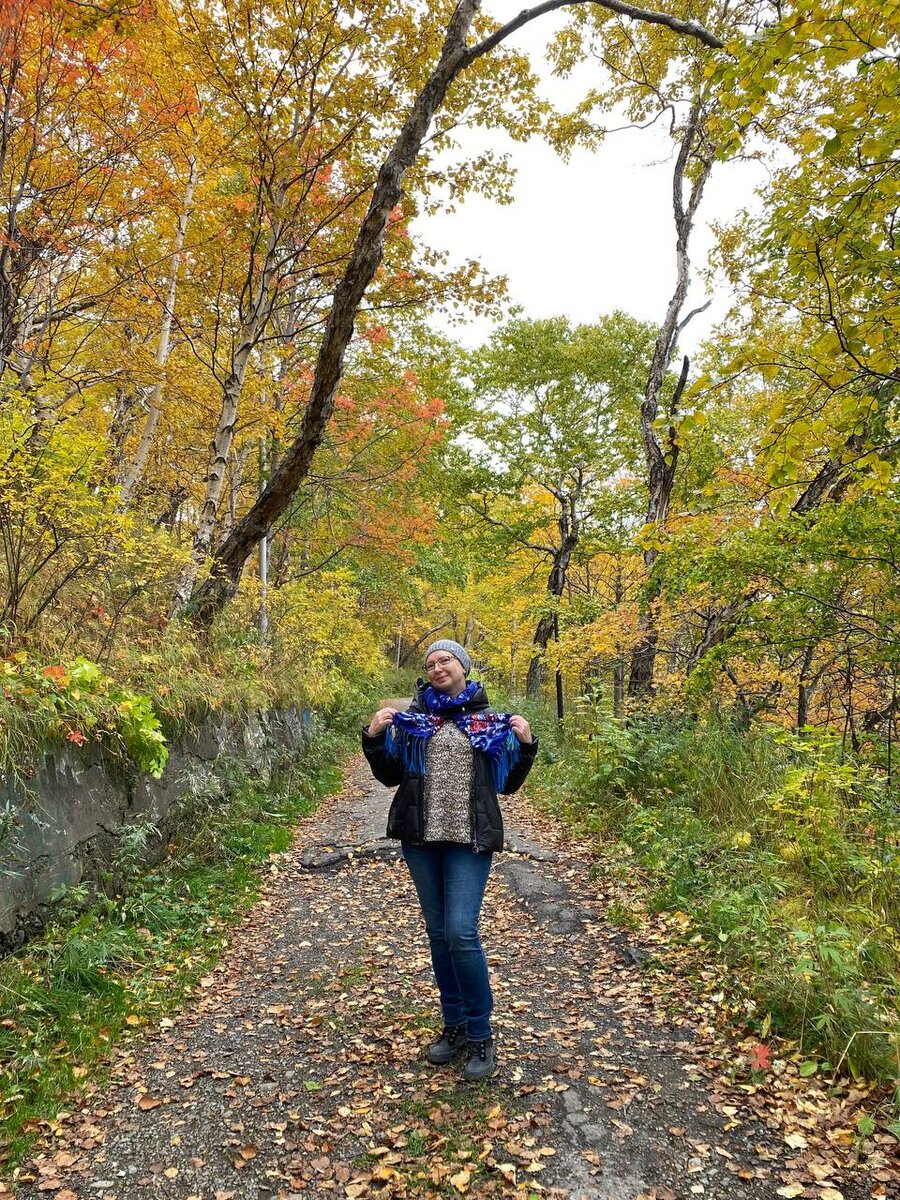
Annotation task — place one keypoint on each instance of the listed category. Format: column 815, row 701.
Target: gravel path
column 298, row 1070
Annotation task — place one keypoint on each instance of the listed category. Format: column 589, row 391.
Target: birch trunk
column 135, row 472
column 259, row 313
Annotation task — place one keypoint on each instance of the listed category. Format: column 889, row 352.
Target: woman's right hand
column 381, row 720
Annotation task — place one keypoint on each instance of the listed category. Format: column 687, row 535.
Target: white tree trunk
column 135, row 472
column 259, row 314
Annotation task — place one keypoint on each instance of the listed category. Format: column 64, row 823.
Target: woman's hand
column 521, row 728
column 381, row 720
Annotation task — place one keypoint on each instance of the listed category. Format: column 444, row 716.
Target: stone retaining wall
column 62, row 827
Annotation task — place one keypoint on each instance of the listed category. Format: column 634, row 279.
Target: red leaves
column 376, row 335
column 760, row 1057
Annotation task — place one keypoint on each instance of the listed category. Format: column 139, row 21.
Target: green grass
column 115, row 959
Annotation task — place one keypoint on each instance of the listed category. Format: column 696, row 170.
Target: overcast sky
column 596, row 233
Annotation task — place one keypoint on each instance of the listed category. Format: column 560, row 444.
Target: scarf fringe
column 504, row 761
column 411, row 751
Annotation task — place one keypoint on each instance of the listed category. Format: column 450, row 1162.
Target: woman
column 451, row 754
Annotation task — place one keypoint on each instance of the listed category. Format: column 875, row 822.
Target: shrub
column 784, row 854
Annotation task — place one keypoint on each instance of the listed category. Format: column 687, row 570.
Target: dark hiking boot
column 450, row 1045
column 480, row 1063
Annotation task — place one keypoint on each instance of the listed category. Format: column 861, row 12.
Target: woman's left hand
column 520, row 728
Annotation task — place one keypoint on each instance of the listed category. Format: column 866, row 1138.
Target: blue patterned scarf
column 409, row 732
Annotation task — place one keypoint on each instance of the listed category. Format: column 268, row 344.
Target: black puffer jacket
column 406, row 819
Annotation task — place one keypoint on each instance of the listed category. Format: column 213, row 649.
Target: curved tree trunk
column 662, row 462
column 367, row 253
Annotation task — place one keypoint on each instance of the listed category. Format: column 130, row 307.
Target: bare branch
column 676, row 24
column 695, row 312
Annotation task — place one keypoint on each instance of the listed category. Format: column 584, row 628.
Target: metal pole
column 559, row 687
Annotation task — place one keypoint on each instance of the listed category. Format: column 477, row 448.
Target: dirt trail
column 298, row 1070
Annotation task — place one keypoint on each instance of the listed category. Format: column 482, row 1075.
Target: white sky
column 586, row 236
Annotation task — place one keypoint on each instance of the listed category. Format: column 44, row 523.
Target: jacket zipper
column 475, row 849
column 424, row 810
column 472, row 806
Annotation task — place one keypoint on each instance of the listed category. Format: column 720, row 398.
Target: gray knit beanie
column 453, row 648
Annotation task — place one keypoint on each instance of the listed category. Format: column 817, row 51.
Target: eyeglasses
column 438, row 662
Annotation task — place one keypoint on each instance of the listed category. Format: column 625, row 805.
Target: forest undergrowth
column 778, row 852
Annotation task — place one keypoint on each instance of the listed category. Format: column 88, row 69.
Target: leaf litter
column 298, row 1070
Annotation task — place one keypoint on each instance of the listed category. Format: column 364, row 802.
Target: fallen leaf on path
column 760, row 1057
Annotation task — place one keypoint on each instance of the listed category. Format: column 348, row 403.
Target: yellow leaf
column 461, row 1180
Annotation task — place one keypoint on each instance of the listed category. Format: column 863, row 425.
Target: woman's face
column 445, row 672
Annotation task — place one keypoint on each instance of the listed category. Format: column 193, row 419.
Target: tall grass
column 785, row 857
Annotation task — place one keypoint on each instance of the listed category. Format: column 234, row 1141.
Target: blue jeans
column 450, row 880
